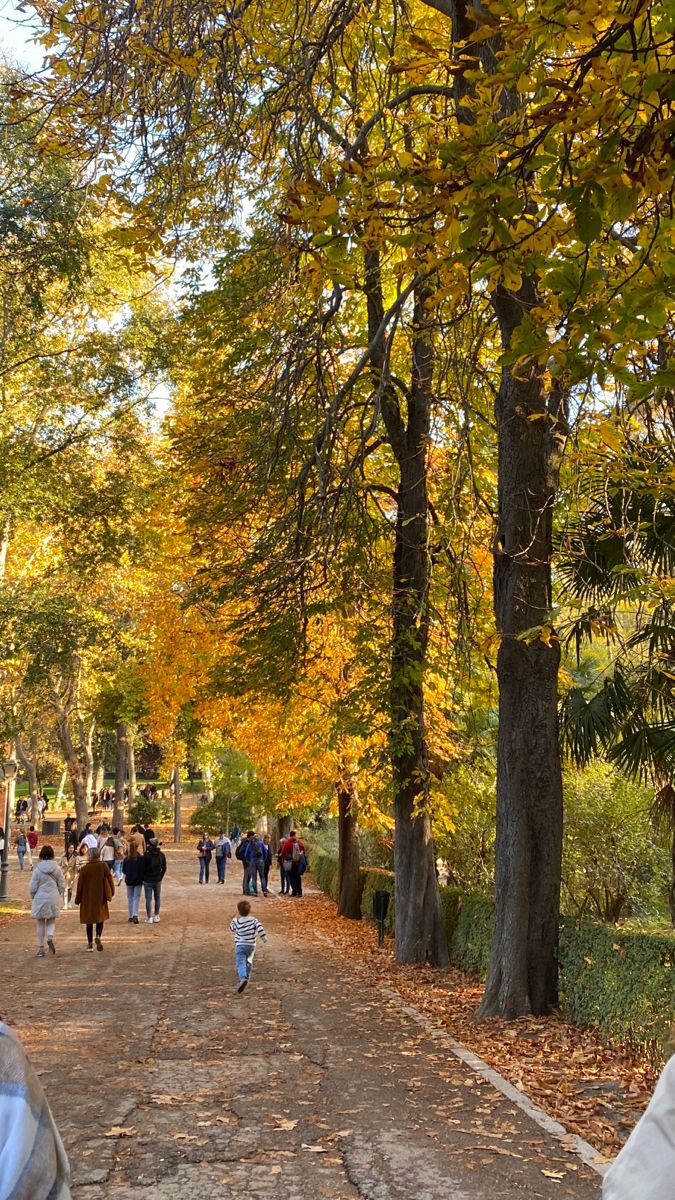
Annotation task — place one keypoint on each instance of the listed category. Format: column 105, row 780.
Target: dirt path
column 165, row 1083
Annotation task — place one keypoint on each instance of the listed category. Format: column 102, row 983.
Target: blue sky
column 15, row 38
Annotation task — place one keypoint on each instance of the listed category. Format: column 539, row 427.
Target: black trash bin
column 380, row 910
column 51, row 828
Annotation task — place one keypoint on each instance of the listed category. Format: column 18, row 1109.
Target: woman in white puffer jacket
column 645, row 1168
column 47, row 886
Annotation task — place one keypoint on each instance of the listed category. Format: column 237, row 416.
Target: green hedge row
column 621, row 983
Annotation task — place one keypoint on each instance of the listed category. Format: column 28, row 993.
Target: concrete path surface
column 314, row 1083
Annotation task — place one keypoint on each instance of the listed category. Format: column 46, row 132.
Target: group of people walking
column 90, row 867
column 255, row 855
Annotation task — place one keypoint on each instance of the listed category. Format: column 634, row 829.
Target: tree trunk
column 419, row 925
column 99, row 775
column 349, row 875
column 131, row 765
column 61, row 789
column 208, row 783
column 86, row 734
column 29, row 763
column 523, row 971
column 121, row 757
column 283, row 828
column 177, row 805
column 73, row 764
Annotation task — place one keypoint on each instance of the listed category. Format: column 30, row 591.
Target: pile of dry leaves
column 595, row 1089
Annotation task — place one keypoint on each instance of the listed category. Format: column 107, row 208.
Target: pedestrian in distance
column 69, row 832
column 88, row 840
column 294, row 862
column 33, row 1162
column 267, row 859
column 21, row 848
column 148, row 833
column 106, row 844
column 223, row 853
column 95, row 890
column 155, row 870
column 119, row 849
column 32, row 839
column 134, row 877
column 205, row 848
column 69, row 864
column 246, row 929
column 47, row 886
column 137, row 838
column 254, row 861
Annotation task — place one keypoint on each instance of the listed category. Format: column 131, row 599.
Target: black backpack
column 239, row 852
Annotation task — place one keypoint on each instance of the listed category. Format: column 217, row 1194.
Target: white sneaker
column 148, row 920
column 156, row 920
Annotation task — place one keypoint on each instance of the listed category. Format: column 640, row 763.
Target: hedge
column 621, row 983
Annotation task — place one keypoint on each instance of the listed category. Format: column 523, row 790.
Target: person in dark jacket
column 155, row 870
column 205, row 848
column 134, row 876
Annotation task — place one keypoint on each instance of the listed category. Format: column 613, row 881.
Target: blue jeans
column 204, row 868
column 255, row 868
column 117, row 870
column 221, row 866
column 21, row 854
column 134, row 898
column 152, row 889
column 244, row 956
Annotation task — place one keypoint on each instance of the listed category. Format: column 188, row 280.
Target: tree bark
column 73, row 764
column 419, row 925
column 60, row 791
column 208, row 783
column 282, row 830
column 131, row 765
column 99, row 775
column 121, row 758
column 349, row 875
column 28, row 760
column 523, row 971
column 177, row 805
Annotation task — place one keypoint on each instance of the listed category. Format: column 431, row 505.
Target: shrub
column 152, row 811
column 622, row 983
column 613, row 864
column 471, row 939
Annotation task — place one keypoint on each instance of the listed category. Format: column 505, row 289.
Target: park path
column 314, row 1083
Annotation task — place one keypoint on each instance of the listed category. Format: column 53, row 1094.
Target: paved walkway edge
column 571, row 1141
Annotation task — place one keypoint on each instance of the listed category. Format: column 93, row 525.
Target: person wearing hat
column 155, row 870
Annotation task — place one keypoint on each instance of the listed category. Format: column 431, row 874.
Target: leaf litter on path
column 596, row 1089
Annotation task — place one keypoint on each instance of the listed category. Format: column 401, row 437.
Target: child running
column 245, row 929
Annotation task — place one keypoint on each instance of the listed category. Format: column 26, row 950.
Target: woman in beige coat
column 95, row 887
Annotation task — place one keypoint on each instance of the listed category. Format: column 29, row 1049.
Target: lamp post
column 9, row 770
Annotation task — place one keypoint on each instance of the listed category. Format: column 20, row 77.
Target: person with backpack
column 155, row 870
column 21, row 847
column 205, row 849
column 254, row 861
column 240, row 855
column 223, row 852
column 293, row 861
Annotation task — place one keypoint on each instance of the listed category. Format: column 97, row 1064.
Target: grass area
column 8, row 907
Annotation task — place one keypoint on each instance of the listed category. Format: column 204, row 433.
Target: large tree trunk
column 131, row 765
column 281, row 831
column 207, row 775
column 349, row 875
column 86, row 734
column 419, row 926
column 61, row 789
column 99, row 775
column 28, row 759
column 75, row 772
column 177, row 805
column 121, row 758
column 523, row 971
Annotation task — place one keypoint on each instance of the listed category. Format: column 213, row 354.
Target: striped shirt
column 245, row 930
column 33, row 1163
